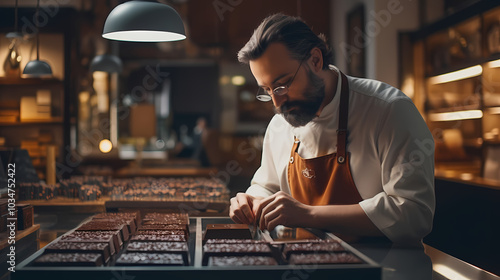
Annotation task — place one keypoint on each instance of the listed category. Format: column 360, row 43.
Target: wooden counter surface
column 166, row 172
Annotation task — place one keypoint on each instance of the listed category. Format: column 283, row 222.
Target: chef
column 343, row 154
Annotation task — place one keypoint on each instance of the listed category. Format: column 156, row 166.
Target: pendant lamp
column 37, row 68
column 106, row 63
column 138, row 21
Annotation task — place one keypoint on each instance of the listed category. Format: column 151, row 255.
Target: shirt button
column 291, row 159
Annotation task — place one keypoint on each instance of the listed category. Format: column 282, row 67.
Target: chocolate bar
column 69, row 259
column 164, row 227
column 111, row 237
column 324, row 258
column 96, row 225
column 241, row 260
column 160, row 247
column 164, row 238
column 228, row 231
column 241, row 249
column 80, row 247
column 162, row 232
column 234, row 241
column 150, row 259
column 312, row 247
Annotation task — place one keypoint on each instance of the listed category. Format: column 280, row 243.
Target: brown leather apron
column 325, row 180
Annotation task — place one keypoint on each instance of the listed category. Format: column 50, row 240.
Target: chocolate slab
column 163, row 238
column 234, row 241
column 241, row 260
column 129, row 221
column 312, row 247
column 160, row 247
column 241, row 249
column 102, row 248
column 69, row 259
column 106, row 226
column 135, row 259
column 113, row 237
column 162, row 232
column 227, row 231
column 324, row 258
column 164, row 227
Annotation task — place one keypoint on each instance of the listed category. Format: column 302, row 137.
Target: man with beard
column 343, row 154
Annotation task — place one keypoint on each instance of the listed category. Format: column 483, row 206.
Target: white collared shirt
column 391, row 156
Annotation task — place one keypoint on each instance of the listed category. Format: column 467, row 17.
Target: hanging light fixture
column 37, row 68
column 138, row 21
column 106, row 63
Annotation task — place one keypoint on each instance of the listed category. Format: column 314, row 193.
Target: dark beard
column 304, row 111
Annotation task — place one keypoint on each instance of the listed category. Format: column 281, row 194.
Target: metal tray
column 367, row 270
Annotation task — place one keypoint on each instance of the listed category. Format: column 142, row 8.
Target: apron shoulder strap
column 343, row 116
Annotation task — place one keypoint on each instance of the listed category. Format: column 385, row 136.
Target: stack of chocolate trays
column 95, row 243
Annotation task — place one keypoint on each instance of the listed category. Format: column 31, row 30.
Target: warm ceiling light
column 493, row 64
column 238, row 80
column 138, row 21
column 105, row 146
column 455, row 116
column 457, row 75
column 106, row 63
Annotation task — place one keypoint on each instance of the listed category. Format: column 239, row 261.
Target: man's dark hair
column 292, row 32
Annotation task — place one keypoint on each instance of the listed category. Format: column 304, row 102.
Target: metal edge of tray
column 368, row 270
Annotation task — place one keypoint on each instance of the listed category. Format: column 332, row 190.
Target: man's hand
column 241, row 207
column 281, row 209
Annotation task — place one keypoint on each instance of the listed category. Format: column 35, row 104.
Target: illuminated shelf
column 53, row 120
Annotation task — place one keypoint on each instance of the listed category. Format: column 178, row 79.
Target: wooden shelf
column 27, row 81
column 53, row 120
column 20, row 234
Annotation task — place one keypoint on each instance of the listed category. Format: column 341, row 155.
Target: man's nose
column 278, row 100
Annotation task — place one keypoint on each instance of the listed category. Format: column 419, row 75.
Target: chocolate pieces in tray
column 312, row 247
column 235, row 249
column 159, row 237
column 163, row 259
column 324, row 258
column 97, row 225
column 69, row 259
column 163, row 227
column 101, row 248
column 111, row 237
column 160, row 247
column 241, row 260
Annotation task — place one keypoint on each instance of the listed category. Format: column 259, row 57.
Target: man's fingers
column 244, row 202
column 261, row 205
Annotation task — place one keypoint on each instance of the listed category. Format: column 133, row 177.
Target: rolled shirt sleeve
column 404, row 210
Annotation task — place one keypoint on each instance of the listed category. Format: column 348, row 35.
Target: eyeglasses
column 265, row 95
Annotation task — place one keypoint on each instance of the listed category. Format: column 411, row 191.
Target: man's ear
column 316, row 59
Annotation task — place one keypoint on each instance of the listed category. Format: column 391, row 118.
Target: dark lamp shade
column 137, row 21
column 37, row 68
column 106, row 63
column 12, row 35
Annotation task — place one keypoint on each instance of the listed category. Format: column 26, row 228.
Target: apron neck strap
column 343, row 115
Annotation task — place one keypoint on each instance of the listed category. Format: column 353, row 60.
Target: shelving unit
column 458, row 85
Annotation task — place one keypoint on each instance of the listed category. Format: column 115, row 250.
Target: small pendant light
column 106, row 63
column 37, row 68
